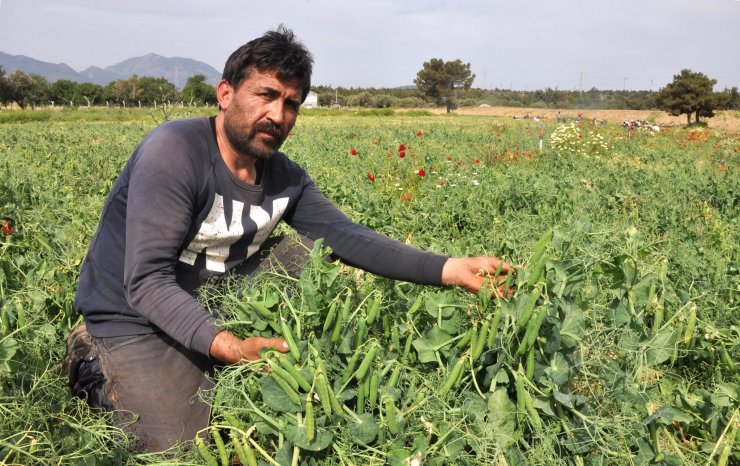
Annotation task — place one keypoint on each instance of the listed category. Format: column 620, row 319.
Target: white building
column 312, row 100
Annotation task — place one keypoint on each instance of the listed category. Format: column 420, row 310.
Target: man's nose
column 276, row 111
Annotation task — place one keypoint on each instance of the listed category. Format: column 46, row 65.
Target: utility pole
column 624, row 86
column 580, row 83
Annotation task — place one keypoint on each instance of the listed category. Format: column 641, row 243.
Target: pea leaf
column 365, row 429
column 660, row 347
column 275, row 398
column 297, row 435
column 559, row 369
column 434, row 341
column 441, row 301
column 572, row 328
column 8, row 347
column 502, row 417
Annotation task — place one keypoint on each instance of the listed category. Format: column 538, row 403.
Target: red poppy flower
column 375, row 142
column 442, row 182
column 406, row 197
column 476, row 161
column 449, row 159
column 401, row 148
column 370, row 176
column 353, row 151
column 459, row 163
column 402, row 154
column 421, row 172
column 7, row 229
column 420, row 133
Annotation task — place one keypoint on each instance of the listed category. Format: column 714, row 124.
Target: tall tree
column 689, row 93
column 4, row 88
column 24, row 89
column 440, row 80
column 198, row 91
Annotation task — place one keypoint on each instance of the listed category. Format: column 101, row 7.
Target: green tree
column 4, row 88
column 64, row 91
column 440, row 80
column 157, row 90
column 689, row 93
column 198, row 91
column 24, row 89
column 90, row 93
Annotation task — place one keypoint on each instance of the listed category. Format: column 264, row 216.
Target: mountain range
column 176, row 70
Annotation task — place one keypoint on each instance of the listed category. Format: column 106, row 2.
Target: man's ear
column 224, row 93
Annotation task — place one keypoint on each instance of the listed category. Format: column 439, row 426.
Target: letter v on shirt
column 215, row 236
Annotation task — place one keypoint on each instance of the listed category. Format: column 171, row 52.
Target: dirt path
column 726, row 120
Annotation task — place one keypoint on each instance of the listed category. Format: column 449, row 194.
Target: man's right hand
column 230, row 349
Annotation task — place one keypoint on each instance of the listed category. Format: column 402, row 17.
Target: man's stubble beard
column 245, row 142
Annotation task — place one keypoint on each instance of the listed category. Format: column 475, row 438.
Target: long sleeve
column 317, row 217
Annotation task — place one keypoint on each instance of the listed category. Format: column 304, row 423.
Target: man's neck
column 243, row 166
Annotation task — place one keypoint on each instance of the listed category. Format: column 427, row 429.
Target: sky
column 522, row 45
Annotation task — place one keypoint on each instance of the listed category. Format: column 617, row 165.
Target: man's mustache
column 269, row 128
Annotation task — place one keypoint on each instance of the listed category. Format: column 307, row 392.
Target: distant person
column 198, row 199
column 558, row 117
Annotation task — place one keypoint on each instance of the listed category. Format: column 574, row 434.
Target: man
column 197, row 199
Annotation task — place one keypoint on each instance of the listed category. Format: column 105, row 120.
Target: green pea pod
column 416, row 304
column 336, row 332
column 372, row 312
column 539, row 247
column 395, row 375
column 350, row 369
column 221, row 448
column 288, row 336
column 481, row 341
column 262, row 310
column 690, row 324
column 509, row 280
column 407, row 345
column 360, row 333
column 534, row 417
column 528, row 307
column 330, row 318
column 530, row 363
column 243, row 450
column 285, row 386
column 535, row 325
column 372, row 396
column 295, row 373
column 346, row 306
column 309, row 421
column 366, row 363
column 205, row 453
column 323, row 391
column 657, row 319
column 463, row 342
column 493, row 331
column 390, row 415
column 334, row 402
column 362, row 392
column 452, row 377
column 537, row 271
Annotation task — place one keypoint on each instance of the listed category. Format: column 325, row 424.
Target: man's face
column 259, row 114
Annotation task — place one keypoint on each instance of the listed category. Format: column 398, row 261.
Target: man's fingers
column 277, row 343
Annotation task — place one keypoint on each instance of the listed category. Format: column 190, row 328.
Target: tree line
column 34, row 90
column 438, row 84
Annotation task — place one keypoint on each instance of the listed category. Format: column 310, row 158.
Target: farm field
column 619, row 344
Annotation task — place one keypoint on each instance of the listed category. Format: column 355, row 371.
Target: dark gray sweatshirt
column 177, row 216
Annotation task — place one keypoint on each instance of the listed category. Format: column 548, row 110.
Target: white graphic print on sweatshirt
column 215, row 237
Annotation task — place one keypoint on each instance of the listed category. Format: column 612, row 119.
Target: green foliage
column 440, row 80
column 689, row 93
column 628, row 354
column 198, row 91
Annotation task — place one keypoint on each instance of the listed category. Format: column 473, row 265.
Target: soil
column 725, row 120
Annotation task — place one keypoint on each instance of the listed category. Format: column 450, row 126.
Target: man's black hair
column 278, row 51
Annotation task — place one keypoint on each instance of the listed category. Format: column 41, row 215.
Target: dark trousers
column 158, row 390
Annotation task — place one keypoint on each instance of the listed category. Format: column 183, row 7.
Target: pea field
column 617, row 344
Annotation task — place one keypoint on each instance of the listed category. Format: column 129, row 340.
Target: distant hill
column 175, row 70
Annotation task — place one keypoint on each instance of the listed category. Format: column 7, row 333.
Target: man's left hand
column 471, row 272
